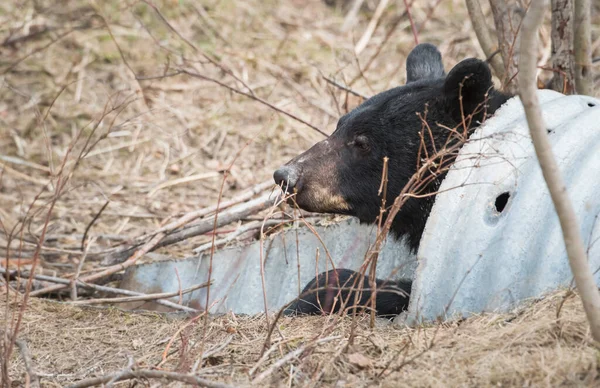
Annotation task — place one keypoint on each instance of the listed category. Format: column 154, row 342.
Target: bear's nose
column 286, row 177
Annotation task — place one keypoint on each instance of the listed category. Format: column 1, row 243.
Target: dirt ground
column 97, row 84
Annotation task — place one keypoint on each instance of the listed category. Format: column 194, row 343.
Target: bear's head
column 342, row 174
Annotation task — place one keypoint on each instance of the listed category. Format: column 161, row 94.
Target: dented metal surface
column 237, row 284
column 493, row 238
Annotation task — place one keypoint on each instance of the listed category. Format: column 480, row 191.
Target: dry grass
column 529, row 347
column 183, row 127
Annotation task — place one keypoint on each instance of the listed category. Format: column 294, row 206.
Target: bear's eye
column 362, row 142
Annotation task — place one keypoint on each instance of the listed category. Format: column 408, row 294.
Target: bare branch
column 149, row 246
column 251, row 96
column 34, row 382
column 344, row 88
column 87, row 229
column 412, row 23
column 204, row 226
column 142, row 298
column 392, row 26
column 350, row 19
column 486, row 42
column 233, row 235
column 191, row 216
column 111, row 290
column 558, row 191
column 293, row 354
column 37, row 50
column 364, row 40
column 149, row 374
column 584, row 82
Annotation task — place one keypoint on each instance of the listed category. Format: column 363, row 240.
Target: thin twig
column 150, row 374
column 150, row 245
column 34, row 381
column 191, row 216
column 364, row 40
column 412, row 23
column 87, row 229
column 96, row 287
column 78, row 271
column 344, row 88
column 392, row 27
column 125, row 61
column 186, row 179
column 432, row 9
column 267, row 353
column 166, row 353
column 237, row 91
column 37, row 50
column 204, row 226
column 209, row 22
column 350, row 18
column 285, row 359
column 118, row 376
column 141, row 298
column 262, row 259
column 231, row 236
column 36, row 255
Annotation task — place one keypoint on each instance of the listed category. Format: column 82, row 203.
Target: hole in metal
column 501, row 201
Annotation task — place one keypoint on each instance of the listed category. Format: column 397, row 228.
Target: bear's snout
column 286, row 177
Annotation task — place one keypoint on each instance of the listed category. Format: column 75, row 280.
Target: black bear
column 329, row 290
column 342, row 174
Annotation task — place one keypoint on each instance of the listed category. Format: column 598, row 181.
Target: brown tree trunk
column 508, row 16
column 584, row 82
column 563, row 62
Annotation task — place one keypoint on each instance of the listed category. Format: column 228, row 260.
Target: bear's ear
column 471, row 79
column 424, row 62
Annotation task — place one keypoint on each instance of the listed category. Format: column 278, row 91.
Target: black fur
column 349, row 163
column 424, row 61
column 326, row 293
